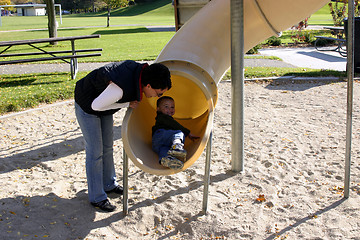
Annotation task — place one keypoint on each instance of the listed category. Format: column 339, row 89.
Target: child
column 168, row 135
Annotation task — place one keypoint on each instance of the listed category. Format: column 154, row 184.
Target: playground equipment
column 198, row 56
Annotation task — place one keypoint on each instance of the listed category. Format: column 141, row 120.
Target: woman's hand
column 133, row 104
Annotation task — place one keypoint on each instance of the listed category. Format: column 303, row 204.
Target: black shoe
column 117, row 190
column 104, row 205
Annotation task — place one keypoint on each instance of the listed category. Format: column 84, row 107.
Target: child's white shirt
column 107, row 100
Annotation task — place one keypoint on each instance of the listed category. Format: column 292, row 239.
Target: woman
column 98, row 96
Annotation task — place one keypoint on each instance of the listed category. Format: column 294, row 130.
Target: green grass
column 19, row 92
column 286, row 35
column 266, row 72
column 158, row 12
column 262, row 57
column 118, row 43
column 130, row 41
column 322, row 17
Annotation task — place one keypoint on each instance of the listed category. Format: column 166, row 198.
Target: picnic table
column 339, row 40
column 54, row 55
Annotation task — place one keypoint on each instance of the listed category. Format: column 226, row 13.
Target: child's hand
column 193, row 137
column 133, row 104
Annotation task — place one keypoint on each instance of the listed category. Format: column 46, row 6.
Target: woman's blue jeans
column 98, row 136
column 162, row 140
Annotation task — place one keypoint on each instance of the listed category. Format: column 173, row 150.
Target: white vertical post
column 60, row 13
column 350, row 81
column 237, row 85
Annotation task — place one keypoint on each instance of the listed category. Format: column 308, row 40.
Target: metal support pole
column 73, row 61
column 125, row 182
column 237, row 85
column 207, row 174
column 350, row 76
column 72, row 65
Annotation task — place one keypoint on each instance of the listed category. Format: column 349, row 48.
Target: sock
column 177, row 141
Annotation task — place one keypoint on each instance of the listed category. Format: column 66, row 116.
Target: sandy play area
column 292, row 186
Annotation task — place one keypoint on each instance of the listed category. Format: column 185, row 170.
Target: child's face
column 167, row 107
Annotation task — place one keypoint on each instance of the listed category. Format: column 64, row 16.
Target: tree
column 15, row 2
column 50, row 9
column 77, row 5
column 6, row 2
column 113, row 4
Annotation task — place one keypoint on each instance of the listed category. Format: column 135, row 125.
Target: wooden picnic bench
column 54, row 55
column 340, row 42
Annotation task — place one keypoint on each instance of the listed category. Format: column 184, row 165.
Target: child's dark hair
column 157, row 75
column 158, row 102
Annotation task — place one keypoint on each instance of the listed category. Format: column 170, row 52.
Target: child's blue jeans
column 163, row 139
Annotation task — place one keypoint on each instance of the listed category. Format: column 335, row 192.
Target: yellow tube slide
column 198, row 56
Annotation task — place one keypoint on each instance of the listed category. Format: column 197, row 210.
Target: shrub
column 308, row 36
column 323, row 42
column 299, row 35
column 254, row 50
column 273, row 41
column 338, row 10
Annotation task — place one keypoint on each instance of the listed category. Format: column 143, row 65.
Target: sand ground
column 291, row 188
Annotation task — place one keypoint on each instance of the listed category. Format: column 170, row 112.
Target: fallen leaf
column 261, row 198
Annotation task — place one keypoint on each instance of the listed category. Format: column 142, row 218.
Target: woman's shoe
column 118, row 190
column 104, row 205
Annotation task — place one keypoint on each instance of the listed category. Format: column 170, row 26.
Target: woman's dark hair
column 157, row 75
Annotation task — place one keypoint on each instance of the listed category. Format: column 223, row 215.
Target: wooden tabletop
column 338, row 28
column 42, row 40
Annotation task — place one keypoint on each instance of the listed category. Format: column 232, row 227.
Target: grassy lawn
column 321, row 17
column 126, row 38
column 118, row 43
column 19, row 92
column 158, row 12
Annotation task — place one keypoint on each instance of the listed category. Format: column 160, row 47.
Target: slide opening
column 193, row 109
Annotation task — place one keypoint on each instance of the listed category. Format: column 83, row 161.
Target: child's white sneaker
column 177, row 150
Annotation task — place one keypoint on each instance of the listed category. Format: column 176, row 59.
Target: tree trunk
column 108, row 17
column 50, row 8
